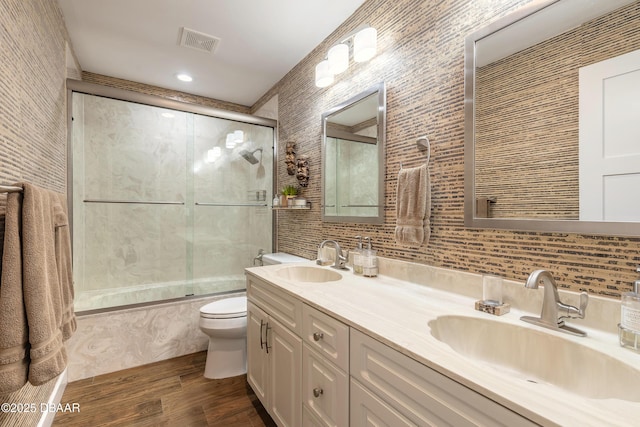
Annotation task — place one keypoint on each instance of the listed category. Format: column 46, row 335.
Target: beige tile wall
column 506, row 118
column 33, row 69
column 165, row 93
column 421, row 59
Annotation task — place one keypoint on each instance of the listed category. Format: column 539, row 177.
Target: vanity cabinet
column 274, row 351
column 325, row 369
column 309, row 369
column 387, row 385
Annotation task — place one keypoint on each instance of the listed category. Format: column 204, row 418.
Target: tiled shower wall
column 33, row 69
column 421, row 60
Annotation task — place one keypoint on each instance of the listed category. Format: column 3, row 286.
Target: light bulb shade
column 230, row 141
column 365, row 44
column 338, row 58
column 324, row 76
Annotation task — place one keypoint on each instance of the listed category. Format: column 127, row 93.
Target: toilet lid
column 225, row 308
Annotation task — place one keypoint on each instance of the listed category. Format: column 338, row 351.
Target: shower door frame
column 158, row 101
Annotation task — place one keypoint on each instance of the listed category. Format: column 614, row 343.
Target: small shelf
column 292, row 208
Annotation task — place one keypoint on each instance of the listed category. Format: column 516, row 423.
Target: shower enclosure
column 167, row 203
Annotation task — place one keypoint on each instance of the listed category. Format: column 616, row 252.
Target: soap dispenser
column 629, row 327
column 369, row 260
column 357, row 256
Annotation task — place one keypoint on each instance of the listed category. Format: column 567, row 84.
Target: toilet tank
column 280, row 258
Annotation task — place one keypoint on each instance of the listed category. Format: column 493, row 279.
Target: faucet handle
column 584, row 300
column 566, row 311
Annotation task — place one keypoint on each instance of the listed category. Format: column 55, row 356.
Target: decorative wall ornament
column 290, row 157
column 302, row 173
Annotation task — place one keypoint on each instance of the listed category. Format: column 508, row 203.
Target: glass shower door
column 130, row 227
column 232, row 182
column 166, row 203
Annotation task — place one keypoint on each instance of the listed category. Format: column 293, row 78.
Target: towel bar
column 134, row 202
column 10, row 189
column 231, row 204
column 423, row 144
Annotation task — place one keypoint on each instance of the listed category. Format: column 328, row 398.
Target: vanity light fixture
column 324, row 76
column 338, row 57
column 364, row 44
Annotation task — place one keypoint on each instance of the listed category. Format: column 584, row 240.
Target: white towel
column 413, row 206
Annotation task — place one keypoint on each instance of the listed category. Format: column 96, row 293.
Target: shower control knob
column 317, row 336
column 317, row 392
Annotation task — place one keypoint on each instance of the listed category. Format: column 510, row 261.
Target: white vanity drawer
column 421, row 394
column 310, row 420
column 367, row 410
column 281, row 306
column 325, row 389
column 326, row 335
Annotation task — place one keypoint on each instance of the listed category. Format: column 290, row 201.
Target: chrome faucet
column 341, row 260
column 259, row 258
column 554, row 310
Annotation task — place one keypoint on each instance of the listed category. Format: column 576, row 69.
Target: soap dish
column 492, row 307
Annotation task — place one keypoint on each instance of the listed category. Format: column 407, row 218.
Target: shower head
column 249, row 156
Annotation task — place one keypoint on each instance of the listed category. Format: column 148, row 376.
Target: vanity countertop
column 397, row 313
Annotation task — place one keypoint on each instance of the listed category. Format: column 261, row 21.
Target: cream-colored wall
column 33, row 69
column 421, row 59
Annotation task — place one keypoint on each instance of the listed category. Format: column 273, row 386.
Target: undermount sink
column 300, row 273
column 539, row 357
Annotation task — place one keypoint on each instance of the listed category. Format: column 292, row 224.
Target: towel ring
column 422, row 143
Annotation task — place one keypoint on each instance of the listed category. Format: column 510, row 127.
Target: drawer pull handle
column 317, row 336
column 266, row 338
column 262, row 324
column 317, row 392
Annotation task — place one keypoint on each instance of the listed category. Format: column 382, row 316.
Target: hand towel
column 413, row 206
column 36, row 289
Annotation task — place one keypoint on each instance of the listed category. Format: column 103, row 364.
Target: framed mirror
column 551, row 103
column 353, row 140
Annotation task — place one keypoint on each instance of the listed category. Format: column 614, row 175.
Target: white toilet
column 225, row 322
column 280, row 258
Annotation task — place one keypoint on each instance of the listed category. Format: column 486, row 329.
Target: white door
column 610, row 139
column 257, row 362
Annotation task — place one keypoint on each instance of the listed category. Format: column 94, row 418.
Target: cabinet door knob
column 317, row 392
column 317, row 336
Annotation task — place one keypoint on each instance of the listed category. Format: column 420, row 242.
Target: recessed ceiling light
column 184, row 77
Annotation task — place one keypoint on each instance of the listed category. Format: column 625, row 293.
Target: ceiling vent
column 198, row 41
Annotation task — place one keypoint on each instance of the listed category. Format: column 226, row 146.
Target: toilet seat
column 227, row 308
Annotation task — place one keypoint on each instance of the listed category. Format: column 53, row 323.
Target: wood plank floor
column 168, row 393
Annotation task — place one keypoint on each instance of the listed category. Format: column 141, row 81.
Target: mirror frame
column 380, row 89
column 514, row 224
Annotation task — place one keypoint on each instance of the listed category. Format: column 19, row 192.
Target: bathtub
column 124, row 296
